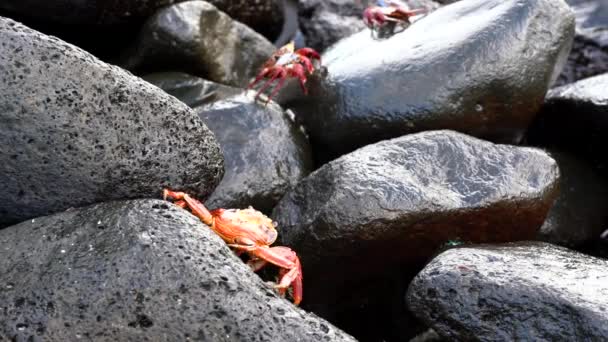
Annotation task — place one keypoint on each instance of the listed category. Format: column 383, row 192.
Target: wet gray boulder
column 191, row 90
column 76, row 131
column 266, row 153
column 589, row 56
column 134, row 271
column 513, row 292
column 197, row 38
column 364, row 222
column 323, row 22
column 580, row 214
column 487, row 77
column 574, row 119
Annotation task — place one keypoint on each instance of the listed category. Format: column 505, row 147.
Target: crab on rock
column 391, row 12
column 286, row 63
column 250, row 231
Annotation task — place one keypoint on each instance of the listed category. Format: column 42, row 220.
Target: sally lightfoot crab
column 250, row 231
column 391, row 12
column 286, row 63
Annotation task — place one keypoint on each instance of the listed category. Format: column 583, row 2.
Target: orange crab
column 250, row 231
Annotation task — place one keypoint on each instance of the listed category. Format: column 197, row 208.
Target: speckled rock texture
column 513, row 292
column 266, row 153
column 589, row 56
column 574, row 119
column 487, row 77
column 191, row 90
column 580, row 213
column 197, row 38
column 76, row 131
column 140, row 270
column 361, row 222
column 325, row 22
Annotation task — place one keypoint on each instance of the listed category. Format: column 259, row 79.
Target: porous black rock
column 266, row 153
column 363, row 222
column 134, row 271
column 513, row 292
column 197, row 38
column 76, row 131
column 487, row 77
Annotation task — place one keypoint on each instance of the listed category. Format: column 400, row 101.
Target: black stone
column 138, row 270
column 76, row 131
column 513, row 292
column 266, row 153
column 197, row 38
column 481, row 67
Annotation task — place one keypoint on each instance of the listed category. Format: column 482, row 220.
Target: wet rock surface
column 527, row 291
column 86, row 131
column 266, row 153
column 580, row 213
column 325, row 22
column 133, row 271
column 574, row 119
column 191, row 90
column 589, row 56
column 422, row 79
column 389, row 206
column 197, row 38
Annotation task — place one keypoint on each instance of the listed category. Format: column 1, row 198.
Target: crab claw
column 308, row 54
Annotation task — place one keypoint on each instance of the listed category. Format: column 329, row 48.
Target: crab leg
column 259, row 77
column 197, row 207
column 277, row 88
column 275, row 74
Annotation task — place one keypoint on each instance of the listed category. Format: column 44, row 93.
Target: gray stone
column 513, row 292
column 197, row 38
column 363, row 222
column 265, row 152
column 580, row 213
column 139, row 270
column 481, row 67
column 76, row 131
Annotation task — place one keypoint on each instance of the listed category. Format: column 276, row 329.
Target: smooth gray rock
column 574, row 119
column 266, row 153
column 139, row 270
column 197, row 38
column 76, row 131
column 363, row 222
column 481, row 67
column 191, row 90
column 580, row 213
column 513, row 292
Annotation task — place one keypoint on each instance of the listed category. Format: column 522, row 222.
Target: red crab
column 286, row 63
column 250, row 231
column 394, row 12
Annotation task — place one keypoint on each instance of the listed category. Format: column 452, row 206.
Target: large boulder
column 487, row 77
column 513, row 292
column 76, row 131
column 363, row 222
column 197, row 38
column 266, row 153
column 139, row 270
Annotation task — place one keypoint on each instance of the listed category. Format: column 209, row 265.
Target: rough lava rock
column 487, row 77
column 197, row 38
column 589, row 56
column 361, row 222
column 191, row 90
column 325, row 22
column 265, row 152
column 580, row 213
column 139, row 270
column 513, row 292
column 76, row 131
column 574, row 118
